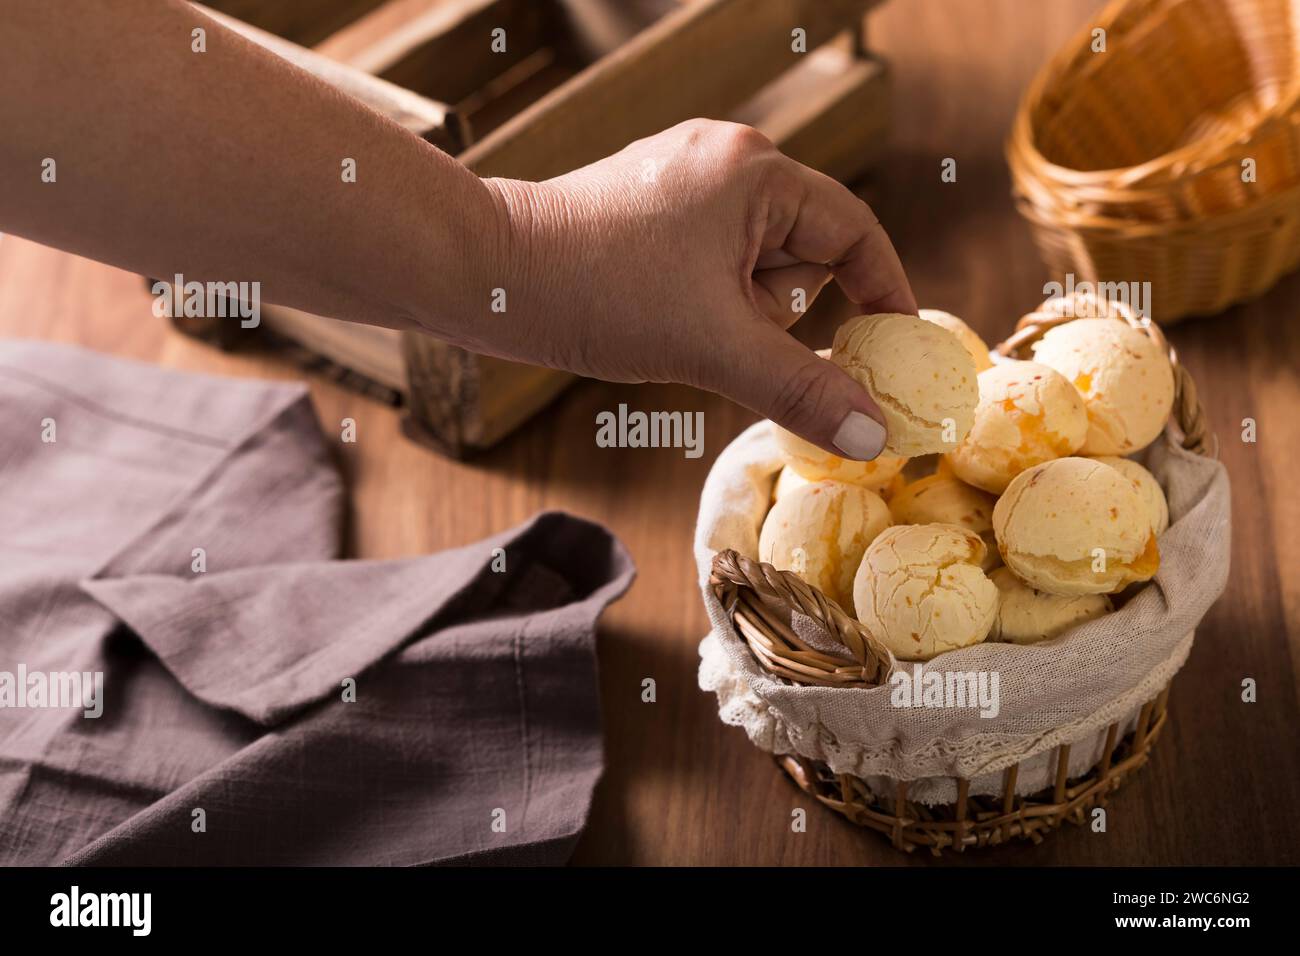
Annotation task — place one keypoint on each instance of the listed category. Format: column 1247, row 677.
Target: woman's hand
column 681, row 259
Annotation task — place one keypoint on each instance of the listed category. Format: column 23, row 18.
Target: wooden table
column 680, row 787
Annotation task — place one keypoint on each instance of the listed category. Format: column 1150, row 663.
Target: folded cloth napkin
column 173, row 535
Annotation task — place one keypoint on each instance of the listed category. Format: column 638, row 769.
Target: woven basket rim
column 1081, row 221
column 1071, row 195
column 1027, row 160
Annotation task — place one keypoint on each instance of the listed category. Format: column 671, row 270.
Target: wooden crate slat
column 305, row 22
column 441, row 48
column 462, row 402
column 702, row 60
column 596, row 28
column 830, row 113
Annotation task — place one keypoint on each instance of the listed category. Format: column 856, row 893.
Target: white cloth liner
column 1066, row 690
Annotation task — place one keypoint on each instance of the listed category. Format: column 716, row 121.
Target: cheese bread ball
column 968, row 337
column 1027, row 616
column 919, row 374
column 920, row 590
column 817, row 465
column 936, row 499
column 1075, row 526
column 1027, row 414
column 1125, row 379
column 819, row 531
column 786, row 481
column 1148, row 488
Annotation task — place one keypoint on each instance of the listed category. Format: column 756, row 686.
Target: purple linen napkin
column 279, row 707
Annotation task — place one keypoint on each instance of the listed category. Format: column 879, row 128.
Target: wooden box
column 578, row 80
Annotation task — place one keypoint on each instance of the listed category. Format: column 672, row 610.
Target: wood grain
column 830, row 112
column 672, row 68
column 442, row 49
column 680, row 787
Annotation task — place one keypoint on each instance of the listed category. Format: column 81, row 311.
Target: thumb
column 816, row 399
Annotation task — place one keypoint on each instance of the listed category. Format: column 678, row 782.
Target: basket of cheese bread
column 971, row 639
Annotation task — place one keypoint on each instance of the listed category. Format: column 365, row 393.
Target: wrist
column 524, row 226
column 489, row 240
column 512, row 233
column 527, row 261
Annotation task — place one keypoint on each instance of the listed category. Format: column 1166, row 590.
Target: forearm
column 228, row 165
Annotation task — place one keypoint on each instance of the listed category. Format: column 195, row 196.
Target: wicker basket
column 751, row 590
column 1128, row 163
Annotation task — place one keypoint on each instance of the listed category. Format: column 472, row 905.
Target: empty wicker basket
column 1162, row 144
column 755, row 594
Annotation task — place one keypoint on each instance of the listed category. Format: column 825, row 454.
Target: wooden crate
column 579, row 80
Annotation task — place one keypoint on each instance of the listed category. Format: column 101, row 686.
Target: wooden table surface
column 680, row 787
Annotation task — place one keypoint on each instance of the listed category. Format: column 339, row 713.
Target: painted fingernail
column 859, row 436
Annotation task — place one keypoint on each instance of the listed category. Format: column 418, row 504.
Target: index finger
column 831, row 225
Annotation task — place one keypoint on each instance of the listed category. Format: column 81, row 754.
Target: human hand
column 677, row 259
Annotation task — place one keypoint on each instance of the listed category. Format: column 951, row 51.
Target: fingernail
column 859, row 436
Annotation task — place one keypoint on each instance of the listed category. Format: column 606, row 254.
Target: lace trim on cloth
column 980, row 758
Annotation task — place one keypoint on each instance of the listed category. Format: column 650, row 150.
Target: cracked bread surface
column 1147, row 487
column 1126, row 381
column 920, row 590
column 968, row 337
column 1027, row 414
column 919, row 374
column 1075, row 526
column 946, row 499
